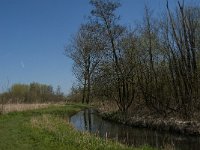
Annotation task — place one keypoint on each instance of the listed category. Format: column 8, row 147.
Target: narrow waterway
column 89, row 120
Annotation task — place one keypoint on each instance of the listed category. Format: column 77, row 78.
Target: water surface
column 89, row 120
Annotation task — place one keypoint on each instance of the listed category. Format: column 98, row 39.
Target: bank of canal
column 90, row 120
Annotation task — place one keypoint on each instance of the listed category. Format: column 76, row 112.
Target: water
column 89, row 120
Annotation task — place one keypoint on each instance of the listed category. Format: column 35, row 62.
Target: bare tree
column 104, row 12
column 85, row 51
column 157, row 63
column 181, row 40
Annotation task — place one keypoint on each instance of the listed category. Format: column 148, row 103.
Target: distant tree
column 4, row 97
column 32, row 93
column 19, row 92
column 58, row 90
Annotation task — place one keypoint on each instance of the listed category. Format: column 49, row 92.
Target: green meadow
column 49, row 128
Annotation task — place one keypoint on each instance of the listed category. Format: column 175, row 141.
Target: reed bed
column 23, row 107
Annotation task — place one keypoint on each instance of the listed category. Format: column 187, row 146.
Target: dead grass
column 45, row 122
column 106, row 106
column 23, row 107
column 169, row 147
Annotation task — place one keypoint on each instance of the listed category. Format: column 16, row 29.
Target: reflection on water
column 89, row 120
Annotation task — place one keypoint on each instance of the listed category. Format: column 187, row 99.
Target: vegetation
column 155, row 66
column 151, row 69
column 22, row 107
column 48, row 128
column 32, row 93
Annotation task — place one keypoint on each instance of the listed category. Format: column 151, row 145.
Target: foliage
column 32, row 93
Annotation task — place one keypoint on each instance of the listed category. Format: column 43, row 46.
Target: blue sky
column 34, row 33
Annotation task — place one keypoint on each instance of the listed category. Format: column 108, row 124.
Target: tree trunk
column 84, row 91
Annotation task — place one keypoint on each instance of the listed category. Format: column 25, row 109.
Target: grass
column 48, row 128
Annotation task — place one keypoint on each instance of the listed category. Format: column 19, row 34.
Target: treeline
column 32, row 93
column 154, row 66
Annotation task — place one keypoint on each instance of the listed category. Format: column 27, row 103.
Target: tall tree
column 181, row 39
column 85, row 51
column 104, row 13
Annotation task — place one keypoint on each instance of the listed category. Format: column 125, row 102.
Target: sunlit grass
column 65, row 135
column 48, row 128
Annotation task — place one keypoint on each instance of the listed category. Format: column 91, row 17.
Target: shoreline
column 172, row 125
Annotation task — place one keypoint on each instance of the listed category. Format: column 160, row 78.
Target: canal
column 89, row 120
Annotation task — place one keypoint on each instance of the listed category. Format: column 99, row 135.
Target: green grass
column 48, row 128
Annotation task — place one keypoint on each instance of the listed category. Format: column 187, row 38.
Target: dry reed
column 22, row 107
